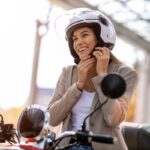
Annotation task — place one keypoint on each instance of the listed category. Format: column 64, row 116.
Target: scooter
column 34, row 133
column 33, row 122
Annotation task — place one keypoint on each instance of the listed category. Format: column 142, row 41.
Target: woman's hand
column 83, row 68
column 102, row 55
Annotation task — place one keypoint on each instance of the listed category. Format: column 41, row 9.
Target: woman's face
column 84, row 40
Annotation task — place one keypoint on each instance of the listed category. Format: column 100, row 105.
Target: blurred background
column 32, row 54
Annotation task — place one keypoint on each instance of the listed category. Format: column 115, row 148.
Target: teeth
column 81, row 49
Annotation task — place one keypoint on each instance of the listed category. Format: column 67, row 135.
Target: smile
column 81, row 49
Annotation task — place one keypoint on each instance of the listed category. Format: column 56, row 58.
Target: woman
column 91, row 37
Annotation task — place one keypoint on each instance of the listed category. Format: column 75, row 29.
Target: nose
column 79, row 42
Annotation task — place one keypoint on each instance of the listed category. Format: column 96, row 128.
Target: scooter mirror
column 33, row 121
column 113, row 85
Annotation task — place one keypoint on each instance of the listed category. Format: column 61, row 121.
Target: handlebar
column 80, row 137
column 65, row 135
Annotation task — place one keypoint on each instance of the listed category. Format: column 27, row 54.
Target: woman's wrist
column 79, row 86
column 102, row 72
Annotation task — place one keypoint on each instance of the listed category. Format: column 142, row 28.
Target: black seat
column 137, row 136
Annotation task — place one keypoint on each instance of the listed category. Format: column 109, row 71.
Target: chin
column 83, row 56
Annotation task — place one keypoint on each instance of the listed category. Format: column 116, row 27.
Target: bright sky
column 17, row 36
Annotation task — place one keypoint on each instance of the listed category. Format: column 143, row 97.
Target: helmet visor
column 69, row 19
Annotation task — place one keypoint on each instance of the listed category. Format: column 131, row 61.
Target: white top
column 81, row 110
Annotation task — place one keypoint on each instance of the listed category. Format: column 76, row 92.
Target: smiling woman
column 78, row 89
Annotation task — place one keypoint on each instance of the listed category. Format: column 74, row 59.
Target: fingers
column 86, row 63
column 83, row 68
column 102, row 49
column 102, row 56
column 101, row 52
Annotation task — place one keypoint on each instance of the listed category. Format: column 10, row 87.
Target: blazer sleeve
column 63, row 100
column 114, row 110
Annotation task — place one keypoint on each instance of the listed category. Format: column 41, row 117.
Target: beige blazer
column 107, row 119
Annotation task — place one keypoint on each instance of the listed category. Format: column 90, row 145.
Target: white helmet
column 101, row 24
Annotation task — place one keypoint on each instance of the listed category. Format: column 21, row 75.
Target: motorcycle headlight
column 33, row 122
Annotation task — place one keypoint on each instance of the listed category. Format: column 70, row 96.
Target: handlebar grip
column 104, row 139
column 97, row 137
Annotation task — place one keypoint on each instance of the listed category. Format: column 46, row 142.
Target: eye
column 84, row 34
column 74, row 39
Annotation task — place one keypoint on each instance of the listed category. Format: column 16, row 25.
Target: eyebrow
column 82, row 32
